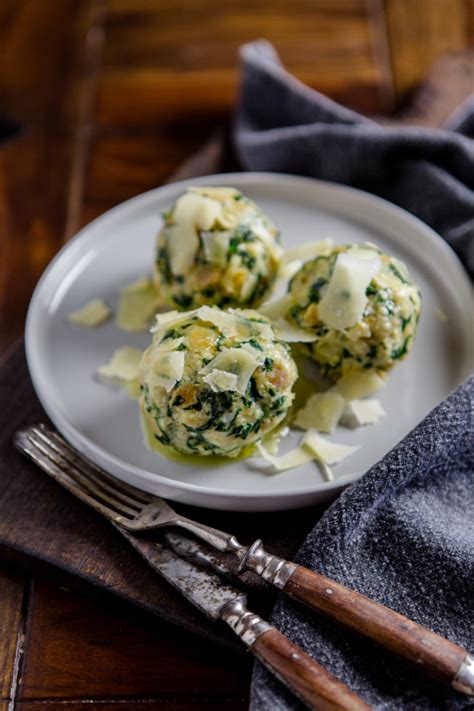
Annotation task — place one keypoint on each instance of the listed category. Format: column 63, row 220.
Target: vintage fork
column 137, row 511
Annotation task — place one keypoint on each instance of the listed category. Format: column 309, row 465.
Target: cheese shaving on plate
column 123, row 365
column 92, row 314
column 361, row 412
column 322, row 412
column 357, row 384
column 138, row 304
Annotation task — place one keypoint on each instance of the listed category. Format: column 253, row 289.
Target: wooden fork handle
column 438, row 656
column 315, row 686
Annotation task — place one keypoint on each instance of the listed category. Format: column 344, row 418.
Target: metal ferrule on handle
column 271, row 568
column 247, row 625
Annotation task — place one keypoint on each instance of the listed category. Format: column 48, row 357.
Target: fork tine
column 130, row 495
column 66, row 469
column 81, row 466
column 29, row 447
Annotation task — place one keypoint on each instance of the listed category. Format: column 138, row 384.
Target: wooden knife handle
column 440, row 658
column 315, row 686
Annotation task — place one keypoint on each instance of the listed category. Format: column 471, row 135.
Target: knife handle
column 439, row 657
column 309, row 681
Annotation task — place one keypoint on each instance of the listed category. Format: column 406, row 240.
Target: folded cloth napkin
column 404, row 534
column 284, row 126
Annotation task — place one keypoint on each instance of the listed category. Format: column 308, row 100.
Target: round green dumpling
column 214, row 381
column 216, row 247
column 383, row 331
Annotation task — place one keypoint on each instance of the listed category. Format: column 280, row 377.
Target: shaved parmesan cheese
column 344, row 300
column 291, row 333
column 292, row 459
column 276, row 309
column 231, row 323
column 192, row 212
column 93, row 313
column 441, row 315
column 216, row 247
column 170, row 344
column 169, row 320
column 138, row 303
column 236, row 361
column 325, row 450
column 359, row 383
column 361, row 412
column 248, row 286
column 167, row 368
column 272, row 440
column 263, row 233
column 258, row 355
column 364, row 251
column 220, row 194
column 321, row 412
column 308, row 250
column 123, row 365
column 221, row 380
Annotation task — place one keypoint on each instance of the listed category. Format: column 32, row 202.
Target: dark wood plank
column 79, row 649
column 11, row 598
column 180, row 59
column 40, row 81
column 420, row 32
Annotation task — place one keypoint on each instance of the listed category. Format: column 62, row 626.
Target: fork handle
column 309, row 681
column 439, row 657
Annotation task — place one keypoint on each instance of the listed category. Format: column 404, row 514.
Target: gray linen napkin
column 284, row 126
column 404, row 534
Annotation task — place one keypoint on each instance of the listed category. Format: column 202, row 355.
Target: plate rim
column 86, row 234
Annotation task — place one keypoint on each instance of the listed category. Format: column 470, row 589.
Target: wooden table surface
column 112, row 96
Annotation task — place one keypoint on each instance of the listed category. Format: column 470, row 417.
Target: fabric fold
column 281, row 125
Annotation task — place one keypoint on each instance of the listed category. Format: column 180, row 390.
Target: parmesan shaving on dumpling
column 92, row 314
column 307, row 250
column 192, row 212
column 221, row 380
column 291, row 333
column 123, row 365
column 361, row 412
column 321, row 412
column 345, row 298
column 236, row 361
column 167, row 369
column 276, row 309
column 168, row 320
column 138, row 304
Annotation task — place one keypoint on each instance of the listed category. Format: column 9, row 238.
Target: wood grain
column 311, row 682
column 77, row 648
column 428, row 651
column 191, row 68
column 11, row 599
column 40, row 89
column 419, row 32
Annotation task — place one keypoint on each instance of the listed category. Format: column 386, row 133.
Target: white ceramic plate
column 118, row 247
